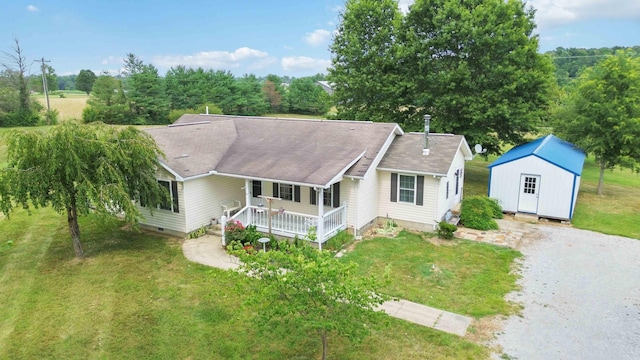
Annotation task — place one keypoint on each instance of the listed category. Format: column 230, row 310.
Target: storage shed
column 541, row 177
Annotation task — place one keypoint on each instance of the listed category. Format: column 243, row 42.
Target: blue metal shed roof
column 550, row 148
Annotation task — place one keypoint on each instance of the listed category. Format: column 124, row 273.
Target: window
column 331, row 196
column 256, row 188
column 407, row 188
column 529, row 185
column 172, row 188
column 286, row 192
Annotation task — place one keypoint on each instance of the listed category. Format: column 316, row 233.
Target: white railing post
column 247, row 201
column 223, row 223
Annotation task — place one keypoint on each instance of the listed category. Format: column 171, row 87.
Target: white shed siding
column 425, row 214
column 203, row 196
column 166, row 219
column 348, row 190
column 555, row 188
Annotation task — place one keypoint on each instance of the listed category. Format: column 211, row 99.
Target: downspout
column 355, row 208
column 489, row 185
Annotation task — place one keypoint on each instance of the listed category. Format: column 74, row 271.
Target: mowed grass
column 461, row 276
column 70, row 107
column 137, row 297
column 617, row 212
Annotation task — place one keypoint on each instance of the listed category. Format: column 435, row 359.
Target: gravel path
column 581, row 298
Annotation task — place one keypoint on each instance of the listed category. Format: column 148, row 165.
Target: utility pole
column 46, row 88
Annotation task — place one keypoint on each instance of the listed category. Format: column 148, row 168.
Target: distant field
column 69, row 107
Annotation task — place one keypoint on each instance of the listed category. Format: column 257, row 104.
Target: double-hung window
column 172, row 189
column 407, row 188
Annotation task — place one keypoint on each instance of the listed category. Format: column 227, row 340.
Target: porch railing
column 291, row 224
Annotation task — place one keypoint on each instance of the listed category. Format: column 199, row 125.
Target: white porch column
column 247, row 199
column 320, row 227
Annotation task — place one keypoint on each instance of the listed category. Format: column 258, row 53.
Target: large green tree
column 472, row 65
column 107, row 102
column 147, row 97
column 366, row 66
column 312, row 291
column 77, row 169
column 85, row 80
column 602, row 113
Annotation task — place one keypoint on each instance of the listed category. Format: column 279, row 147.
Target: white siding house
column 331, row 175
column 541, row 177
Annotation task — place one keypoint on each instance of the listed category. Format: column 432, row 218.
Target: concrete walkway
column 207, row 250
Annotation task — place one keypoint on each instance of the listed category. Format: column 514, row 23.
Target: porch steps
column 215, row 230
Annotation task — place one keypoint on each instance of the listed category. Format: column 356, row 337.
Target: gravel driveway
column 581, row 298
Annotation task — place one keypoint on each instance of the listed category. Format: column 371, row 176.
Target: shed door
column 529, row 189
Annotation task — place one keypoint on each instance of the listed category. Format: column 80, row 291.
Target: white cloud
column 552, row 13
column 111, row 60
column 211, row 59
column 300, row 63
column 317, row 37
column 32, row 8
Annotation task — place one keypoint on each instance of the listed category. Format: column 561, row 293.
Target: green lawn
column 136, row 296
column 464, row 277
column 615, row 213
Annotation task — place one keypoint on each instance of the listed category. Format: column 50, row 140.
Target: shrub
column 234, row 231
column 478, row 212
column 338, row 240
column 446, row 230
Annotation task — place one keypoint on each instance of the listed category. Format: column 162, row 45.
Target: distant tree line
column 570, row 63
column 142, row 96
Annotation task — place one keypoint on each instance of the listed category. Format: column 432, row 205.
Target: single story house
column 541, row 177
column 327, row 174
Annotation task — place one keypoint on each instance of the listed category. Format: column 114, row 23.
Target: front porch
column 291, row 224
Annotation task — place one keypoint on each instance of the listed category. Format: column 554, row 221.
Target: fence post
column 223, row 223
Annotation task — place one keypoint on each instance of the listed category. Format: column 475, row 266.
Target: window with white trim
column 172, row 188
column 256, row 188
column 286, row 192
column 407, row 188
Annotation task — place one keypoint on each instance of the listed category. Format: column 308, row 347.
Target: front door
column 529, row 189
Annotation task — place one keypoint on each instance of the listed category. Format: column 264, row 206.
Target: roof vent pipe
column 427, row 120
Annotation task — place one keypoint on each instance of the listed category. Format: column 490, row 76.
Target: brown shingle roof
column 405, row 153
column 309, row 152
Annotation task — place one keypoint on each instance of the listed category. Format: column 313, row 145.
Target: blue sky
column 284, row 37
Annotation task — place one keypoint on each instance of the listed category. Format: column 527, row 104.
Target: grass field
column 70, row 107
column 616, row 212
column 137, row 297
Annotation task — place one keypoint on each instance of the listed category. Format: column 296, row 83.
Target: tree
column 147, row 97
column 249, row 98
column 15, row 71
column 602, row 114
column 306, row 97
column 35, row 81
column 310, row 290
column 85, row 80
column 472, row 65
column 77, row 169
column 480, row 72
column 366, row 66
column 107, row 102
column 273, row 95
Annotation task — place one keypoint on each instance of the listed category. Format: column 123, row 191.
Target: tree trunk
column 601, row 180
column 324, row 344
column 74, row 230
